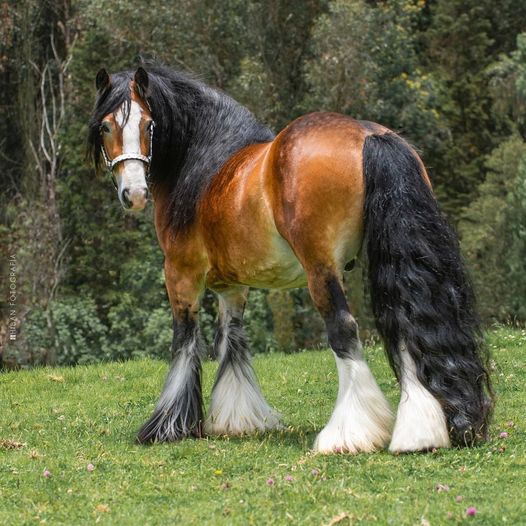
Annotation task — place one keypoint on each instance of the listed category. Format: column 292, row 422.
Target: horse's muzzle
column 134, row 198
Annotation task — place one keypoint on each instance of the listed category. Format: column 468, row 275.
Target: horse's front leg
column 237, row 405
column 179, row 411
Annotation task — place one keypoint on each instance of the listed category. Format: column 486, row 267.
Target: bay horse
column 236, row 207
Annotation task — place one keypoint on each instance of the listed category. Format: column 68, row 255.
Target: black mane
column 197, row 129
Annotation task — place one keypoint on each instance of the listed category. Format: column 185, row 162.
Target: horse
column 236, row 206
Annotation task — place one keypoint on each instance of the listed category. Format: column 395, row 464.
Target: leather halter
column 146, row 159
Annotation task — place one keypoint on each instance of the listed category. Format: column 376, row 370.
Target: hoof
column 420, row 420
column 163, row 427
column 362, row 420
column 336, row 439
column 237, row 406
column 231, row 426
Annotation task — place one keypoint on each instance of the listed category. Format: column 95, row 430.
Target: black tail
column 420, row 292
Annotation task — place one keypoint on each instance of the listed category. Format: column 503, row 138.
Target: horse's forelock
column 109, row 101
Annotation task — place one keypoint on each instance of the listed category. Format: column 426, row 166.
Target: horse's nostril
column 126, row 197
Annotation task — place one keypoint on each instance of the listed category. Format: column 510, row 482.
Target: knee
column 343, row 334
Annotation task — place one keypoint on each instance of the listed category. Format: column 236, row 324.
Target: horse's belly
column 276, row 266
column 280, row 269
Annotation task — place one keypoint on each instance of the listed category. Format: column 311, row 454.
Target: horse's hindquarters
column 318, row 189
column 277, row 209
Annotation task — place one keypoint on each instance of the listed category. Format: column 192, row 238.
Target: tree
column 365, row 64
column 461, row 43
column 43, row 36
column 493, row 226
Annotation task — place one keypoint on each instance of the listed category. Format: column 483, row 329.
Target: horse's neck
column 217, row 127
column 221, row 128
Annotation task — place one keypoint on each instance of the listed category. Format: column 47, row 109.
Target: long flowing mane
column 197, row 129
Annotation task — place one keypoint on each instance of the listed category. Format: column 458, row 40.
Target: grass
column 61, row 420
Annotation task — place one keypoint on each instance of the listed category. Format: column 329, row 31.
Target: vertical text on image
column 13, row 321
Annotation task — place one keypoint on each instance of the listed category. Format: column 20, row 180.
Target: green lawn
column 61, row 420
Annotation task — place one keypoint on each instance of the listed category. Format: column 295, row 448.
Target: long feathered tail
column 422, row 298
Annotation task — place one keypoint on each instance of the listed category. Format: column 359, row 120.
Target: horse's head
column 121, row 134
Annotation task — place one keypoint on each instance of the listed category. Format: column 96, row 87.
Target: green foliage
column 516, row 261
column 80, row 337
column 259, row 323
column 492, row 233
column 62, row 419
column 156, row 337
column 70, row 329
column 365, row 64
column 254, row 87
column 459, row 50
column 282, row 306
column 508, row 86
column 449, row 75
column 493, row 227
column 309, row 328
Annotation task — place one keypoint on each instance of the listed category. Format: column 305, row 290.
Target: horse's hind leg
column 237, row 405
column 362, row 419
column 420, row 420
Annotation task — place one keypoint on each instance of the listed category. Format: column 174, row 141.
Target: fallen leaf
column 338, row 518
column 55, row 378
column 11, row 444
column 103, row 508
column 441, row 487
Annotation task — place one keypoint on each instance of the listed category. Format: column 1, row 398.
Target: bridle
column 146, row 159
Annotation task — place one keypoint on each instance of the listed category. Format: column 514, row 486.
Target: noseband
column 146, row 159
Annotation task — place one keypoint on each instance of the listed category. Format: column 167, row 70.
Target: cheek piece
column 146, row 159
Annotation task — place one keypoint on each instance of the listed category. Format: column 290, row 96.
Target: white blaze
column 132, row 175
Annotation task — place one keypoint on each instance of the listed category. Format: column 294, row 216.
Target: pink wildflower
column 471, row 511
column 90, row 467
column 288, row 478
column 46, row 474
column 270, row 482
column 503, row 435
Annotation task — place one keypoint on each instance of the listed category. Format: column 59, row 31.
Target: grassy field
column 60, row 421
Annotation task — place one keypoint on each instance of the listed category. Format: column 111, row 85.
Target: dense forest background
column 450, row 75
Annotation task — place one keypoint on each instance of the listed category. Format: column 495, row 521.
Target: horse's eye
column 105, row 128
column 150, row 125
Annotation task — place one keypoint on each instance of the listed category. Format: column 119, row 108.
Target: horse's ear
column 102, row 80
column 142, row 81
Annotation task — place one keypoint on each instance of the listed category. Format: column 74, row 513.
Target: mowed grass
column 63, row 419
